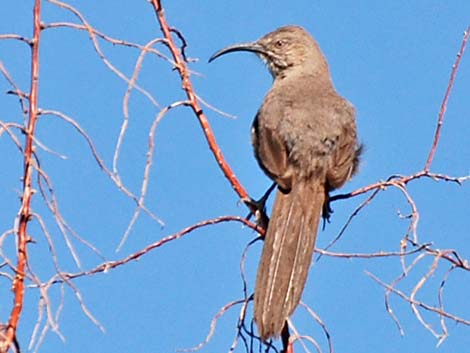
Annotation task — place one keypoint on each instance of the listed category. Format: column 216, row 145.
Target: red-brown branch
column 25, row 211
column 106, row 266
column 183, row 71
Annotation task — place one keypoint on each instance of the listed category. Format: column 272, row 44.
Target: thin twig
column 443, row 109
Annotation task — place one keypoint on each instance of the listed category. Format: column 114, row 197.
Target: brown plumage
column 304, row 138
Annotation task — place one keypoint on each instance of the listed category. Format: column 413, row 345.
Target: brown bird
column 304, row 138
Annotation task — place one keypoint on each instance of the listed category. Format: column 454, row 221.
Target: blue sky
column 391, row 59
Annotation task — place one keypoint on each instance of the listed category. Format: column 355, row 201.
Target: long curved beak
column 251, row 47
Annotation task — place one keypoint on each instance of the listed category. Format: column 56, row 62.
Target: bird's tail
column 287, row 255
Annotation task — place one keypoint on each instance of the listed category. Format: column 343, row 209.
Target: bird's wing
column 271, row 153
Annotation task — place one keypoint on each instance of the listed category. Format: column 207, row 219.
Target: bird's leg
column 285, row 337
column 258, row 207
column 327, row 210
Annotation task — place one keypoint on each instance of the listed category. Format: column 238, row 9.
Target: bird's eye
column 280, row 43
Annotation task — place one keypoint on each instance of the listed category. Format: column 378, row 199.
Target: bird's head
column 285, row 49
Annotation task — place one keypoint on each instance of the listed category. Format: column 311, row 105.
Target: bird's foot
column 258, row 208
column 326, row 212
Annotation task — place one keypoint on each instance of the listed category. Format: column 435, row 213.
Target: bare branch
column 443, row 109
column 182, row 68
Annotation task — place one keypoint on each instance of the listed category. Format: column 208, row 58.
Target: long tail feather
column 287, row 255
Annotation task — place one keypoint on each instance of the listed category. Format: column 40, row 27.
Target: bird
column 304, row 138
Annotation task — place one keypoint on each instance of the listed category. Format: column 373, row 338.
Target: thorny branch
column 409, row 245
column 182, row 67
column 9, row 337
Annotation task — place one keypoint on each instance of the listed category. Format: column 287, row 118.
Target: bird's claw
column 326, row 212
column 258, row 210
column 258, row 207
